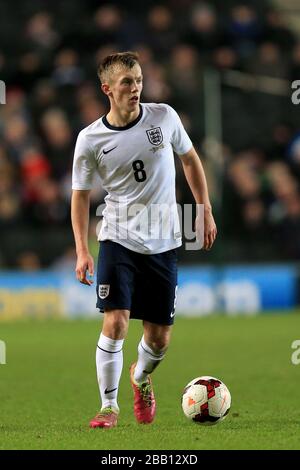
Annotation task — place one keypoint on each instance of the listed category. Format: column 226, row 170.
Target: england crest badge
column 103, row 290
column 155, row 136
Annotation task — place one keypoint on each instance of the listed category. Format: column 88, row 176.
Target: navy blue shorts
column 144, row 284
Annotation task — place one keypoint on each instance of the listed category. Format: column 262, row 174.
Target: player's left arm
column 196, row 179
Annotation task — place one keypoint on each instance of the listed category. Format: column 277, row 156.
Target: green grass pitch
column 48, row 389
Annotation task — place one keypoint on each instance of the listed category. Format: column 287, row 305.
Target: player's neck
column 119, row 118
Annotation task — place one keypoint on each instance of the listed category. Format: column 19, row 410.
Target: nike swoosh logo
column 172, row 315
column 109, row 391
column 110, row 150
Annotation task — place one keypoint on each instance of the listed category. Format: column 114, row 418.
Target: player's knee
column 157, row 339
column 116, row 324
column 159, row 345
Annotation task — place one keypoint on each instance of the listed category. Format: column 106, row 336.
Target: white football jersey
column 136, row 167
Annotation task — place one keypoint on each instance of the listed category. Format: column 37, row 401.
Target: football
column 206, row 400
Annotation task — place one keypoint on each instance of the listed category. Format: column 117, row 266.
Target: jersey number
column 139, row 172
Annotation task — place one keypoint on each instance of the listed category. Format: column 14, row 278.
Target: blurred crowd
column 49, row 52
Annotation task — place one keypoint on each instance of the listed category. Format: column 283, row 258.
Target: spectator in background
column 43, row 97
column 35, row 169
column 161, row 34
column 225, row 58
column 277, row 32
column 244, row 29
column 28, row 261
column 205, row 33
column 58, row 137
column 67, row 71
column 50, row 208
column 39, row 34
column 185, row 79
column 289, row 228
column 156, row 87
column 105, row 28
column 255, row 225
column 17, row 136
column 268, row 61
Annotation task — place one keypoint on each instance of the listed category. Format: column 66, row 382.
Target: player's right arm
column 84, row 167
column 80, row 207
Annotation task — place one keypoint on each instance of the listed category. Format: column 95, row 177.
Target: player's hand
column 210, row 228
column 84, row 266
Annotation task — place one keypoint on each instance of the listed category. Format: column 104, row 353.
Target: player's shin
column 109, row 362
column 147, row 361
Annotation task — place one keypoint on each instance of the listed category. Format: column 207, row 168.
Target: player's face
column 126, row 87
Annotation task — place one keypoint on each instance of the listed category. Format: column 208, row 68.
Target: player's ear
column 106, row 89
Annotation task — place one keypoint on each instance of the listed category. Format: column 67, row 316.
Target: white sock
column 109, row 362
column 148, row 360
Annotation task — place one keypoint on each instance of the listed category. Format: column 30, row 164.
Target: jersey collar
column 123, row 128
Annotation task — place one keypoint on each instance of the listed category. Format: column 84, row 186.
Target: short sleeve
column 180, row 140
column 84, row 164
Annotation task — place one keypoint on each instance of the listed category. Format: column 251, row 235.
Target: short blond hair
column 108, row 64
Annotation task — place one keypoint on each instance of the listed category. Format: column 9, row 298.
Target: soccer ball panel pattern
column 206, row 400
